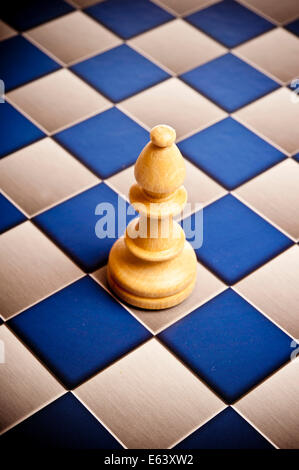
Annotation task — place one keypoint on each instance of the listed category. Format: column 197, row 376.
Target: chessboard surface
column 84, row 83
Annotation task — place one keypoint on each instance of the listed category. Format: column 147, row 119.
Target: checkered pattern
column 85, row 81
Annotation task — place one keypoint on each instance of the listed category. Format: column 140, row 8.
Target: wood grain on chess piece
column 153, row 266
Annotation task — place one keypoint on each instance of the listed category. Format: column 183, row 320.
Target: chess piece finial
column 163, row 136
column 153, row 266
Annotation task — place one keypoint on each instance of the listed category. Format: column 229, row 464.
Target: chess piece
column 153, row 266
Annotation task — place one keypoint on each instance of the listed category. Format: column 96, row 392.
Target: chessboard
column 83, row 83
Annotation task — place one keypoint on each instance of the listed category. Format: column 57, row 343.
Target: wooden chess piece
column 153, row 266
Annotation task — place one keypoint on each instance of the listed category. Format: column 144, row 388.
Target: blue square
column 227, row 430
column 128, row 18
column 22, row 62
column 236, row 240
column 120, row 72
column 230, row 153
column 106, row 143
column 10, row 215
column 229, row 344
column 229, row 82
column 79, row 331
column 64, row 424
column 16, row 130
column 74, row 223
column 229, row 23
column 27, row 14
column 293, row 27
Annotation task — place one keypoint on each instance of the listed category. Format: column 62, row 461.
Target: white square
column 73, row 37
column 58, row 100
column 148, row 399
column 176, row 104
column 178, row 46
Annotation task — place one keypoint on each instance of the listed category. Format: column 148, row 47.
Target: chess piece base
column 151, row 285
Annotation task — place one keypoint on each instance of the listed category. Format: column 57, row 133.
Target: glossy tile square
column 230, row 153
column 251, row 346
column 273, row 407
column 106, row 143
column 279, row 12
column 31, row 268
column 10, row 215
column 206, row 287
column 173, row 96
column 59, row 39
column 178, row 46
column 229, row 22
column 42, row 175
column 273, row 118
column 26, row 386
column 275, row 53
column 129, row 18
column 236, row 240
column 69, row 331
column 229, row 82
column 228, row 430
column 6, row 31
column 26, row 15
column 58, row 100
column 182, row 8
column 149, row 404
column 22, row 62
column 273, row 289
column 73, row 225
column 77, row 429
column 16, row 130
column 275, row 196
column 120, row 72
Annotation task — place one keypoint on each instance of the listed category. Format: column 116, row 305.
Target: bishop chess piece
column 153, row 266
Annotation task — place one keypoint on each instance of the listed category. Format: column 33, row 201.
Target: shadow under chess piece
column 153, row 266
